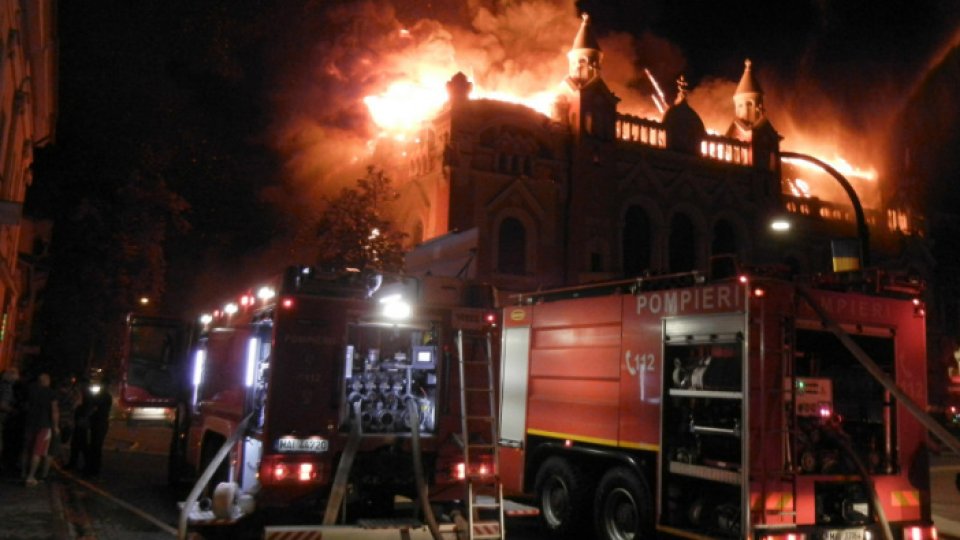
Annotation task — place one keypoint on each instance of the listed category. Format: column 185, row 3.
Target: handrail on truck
column 208, row 474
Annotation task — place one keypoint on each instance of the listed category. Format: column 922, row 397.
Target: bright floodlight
column 206, row 318
column 266, row 293
column 395, row 307
column 230, row 308
column 780, row 225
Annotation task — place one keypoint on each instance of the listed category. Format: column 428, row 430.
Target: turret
column 751, row 124
column 585, row 55
column 685, row 129
column 458, row 89
column 588, row 107
column 748, row 99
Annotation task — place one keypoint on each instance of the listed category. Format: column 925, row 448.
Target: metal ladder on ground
column 479, row 433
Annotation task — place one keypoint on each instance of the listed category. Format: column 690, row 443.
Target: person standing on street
column 42, row 424
column 68, row 399
column 99, row 423
column 80, row 442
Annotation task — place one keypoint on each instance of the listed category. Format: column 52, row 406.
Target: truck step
column 486, row 446
column 483, row 480
column 486, row 530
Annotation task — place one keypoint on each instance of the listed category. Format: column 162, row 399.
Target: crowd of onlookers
column 42, row 424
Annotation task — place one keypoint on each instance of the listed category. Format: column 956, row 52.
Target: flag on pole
column 846, row 254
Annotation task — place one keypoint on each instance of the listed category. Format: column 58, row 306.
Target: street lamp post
column 863, row 232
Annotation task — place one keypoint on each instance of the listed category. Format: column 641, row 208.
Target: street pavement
column 945, row 495
column 30, row 513
column 47, row 511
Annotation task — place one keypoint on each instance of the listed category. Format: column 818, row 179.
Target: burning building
column 524, row 199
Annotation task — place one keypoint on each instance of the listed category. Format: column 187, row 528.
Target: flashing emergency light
column 825, row 411
column 743, row 279
column 490, row 318
column 230, row 308
column 206, row 319
column 246, row 300
column 287, row 303
column 759, row 293
column 460, row 471
column 253, row 347
column 266, row 293
column 198, row 360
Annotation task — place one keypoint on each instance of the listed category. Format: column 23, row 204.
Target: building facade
column 28, row 99
column 502, row 193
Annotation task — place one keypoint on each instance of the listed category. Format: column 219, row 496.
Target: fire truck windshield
column 153, row 354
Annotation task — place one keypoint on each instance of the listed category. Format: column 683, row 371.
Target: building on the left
column 28, row 114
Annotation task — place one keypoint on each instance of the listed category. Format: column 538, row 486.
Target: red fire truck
column 312, row 370
column 151, row 365
column 744, row 408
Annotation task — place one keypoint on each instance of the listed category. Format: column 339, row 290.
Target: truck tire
column 562, row 497
column 622, row 506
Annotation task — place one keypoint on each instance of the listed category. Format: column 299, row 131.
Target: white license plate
column 844, row 534
column 311, row 444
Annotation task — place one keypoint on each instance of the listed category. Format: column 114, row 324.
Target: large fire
column 517, row 53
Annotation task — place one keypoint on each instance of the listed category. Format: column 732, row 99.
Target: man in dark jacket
column 80, row 442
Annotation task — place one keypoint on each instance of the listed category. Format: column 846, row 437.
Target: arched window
column 636, row 242
column 512, row 247
column 683, row 244
column 724, row 239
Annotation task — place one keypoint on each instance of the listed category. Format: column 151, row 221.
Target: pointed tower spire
column 585, row 55
column 748, row 99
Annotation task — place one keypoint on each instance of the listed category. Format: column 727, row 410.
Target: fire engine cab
column 321, row 386
column 750, row 407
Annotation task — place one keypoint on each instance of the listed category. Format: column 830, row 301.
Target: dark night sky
column 201, row 83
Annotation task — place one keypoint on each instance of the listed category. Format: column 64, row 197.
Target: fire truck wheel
column 622, row 509
column 562, row 494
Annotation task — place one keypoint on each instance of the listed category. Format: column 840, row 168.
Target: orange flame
column 517, row 54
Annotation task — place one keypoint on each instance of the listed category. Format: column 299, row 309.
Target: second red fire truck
column 311, row 370
column 741, row 408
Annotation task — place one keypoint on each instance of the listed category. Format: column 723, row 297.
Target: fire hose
column 413, row 414
column 339, row 488
column 208, row 474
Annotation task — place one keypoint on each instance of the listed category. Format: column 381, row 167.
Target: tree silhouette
column 355, row 231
